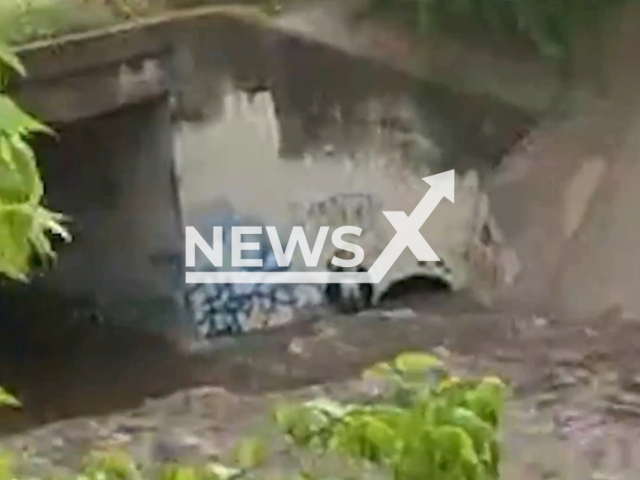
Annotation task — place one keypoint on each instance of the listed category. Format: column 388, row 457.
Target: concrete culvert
column 414, row 288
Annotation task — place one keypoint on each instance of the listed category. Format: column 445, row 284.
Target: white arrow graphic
column 408, row 227
column 407, row 236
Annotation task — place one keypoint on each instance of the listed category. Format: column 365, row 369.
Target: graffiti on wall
column 228, row 309
column 334, row 211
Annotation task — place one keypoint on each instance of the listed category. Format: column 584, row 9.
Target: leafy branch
column 428, row 425
column 25, row 224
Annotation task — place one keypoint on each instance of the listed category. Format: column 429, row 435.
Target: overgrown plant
column 25, row 224
column 427, row 426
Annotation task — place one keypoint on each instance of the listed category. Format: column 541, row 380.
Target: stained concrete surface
column 263, row 135
column 112, row 176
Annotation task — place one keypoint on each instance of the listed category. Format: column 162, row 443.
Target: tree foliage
column 25, row 224
column 551, row 24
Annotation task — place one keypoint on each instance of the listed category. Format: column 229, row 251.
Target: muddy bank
column 566, row 200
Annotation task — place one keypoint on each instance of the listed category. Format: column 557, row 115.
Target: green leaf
column 455, row 444
column 417, row 362
column 113, row 464
column 328, row 407
column 15, row 229
column 222, row 472
column 489, row 396
column 301, row 424
column 8, row 400
column 21, row 180
column 11, row 60
column 15, row 121
column 480, row 432
column 380, row 370
column 7, row 466
column 251, row 453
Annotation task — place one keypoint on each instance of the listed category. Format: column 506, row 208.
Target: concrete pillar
column 113, row 175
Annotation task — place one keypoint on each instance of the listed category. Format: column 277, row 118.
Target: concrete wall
column 321, row 92
column 113, row 176
column 268, row 121
column 110, row 168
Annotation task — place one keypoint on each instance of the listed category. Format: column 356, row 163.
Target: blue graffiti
column 228, row 309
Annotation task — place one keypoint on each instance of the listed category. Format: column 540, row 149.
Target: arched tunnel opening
column 415, row 288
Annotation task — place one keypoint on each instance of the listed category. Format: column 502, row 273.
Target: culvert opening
column 414, row 288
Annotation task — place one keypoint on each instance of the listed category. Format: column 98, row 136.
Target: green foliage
column 25, row 224
column 251, row 453
column 8, row 400
column 110, row 465
column 427, row 425
column 551, row 24
column 118, row 465
column 23, row 21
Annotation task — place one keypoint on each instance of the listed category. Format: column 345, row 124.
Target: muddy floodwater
column 535, row 282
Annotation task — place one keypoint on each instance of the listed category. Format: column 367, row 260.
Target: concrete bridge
column 148, row 136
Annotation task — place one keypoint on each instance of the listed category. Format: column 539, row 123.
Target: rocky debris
column 398, row 314
column 625, row 404
column 329, row 150
column 567, row 377
column 190, row 427
column 507, row 355
column 605, row 444
column 568, row 358
column 546, row 399
column 630, row 383
column 181, row 447
column 442, row 352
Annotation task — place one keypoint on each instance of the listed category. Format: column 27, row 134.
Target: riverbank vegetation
column 550, row 25
column 417, row 422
